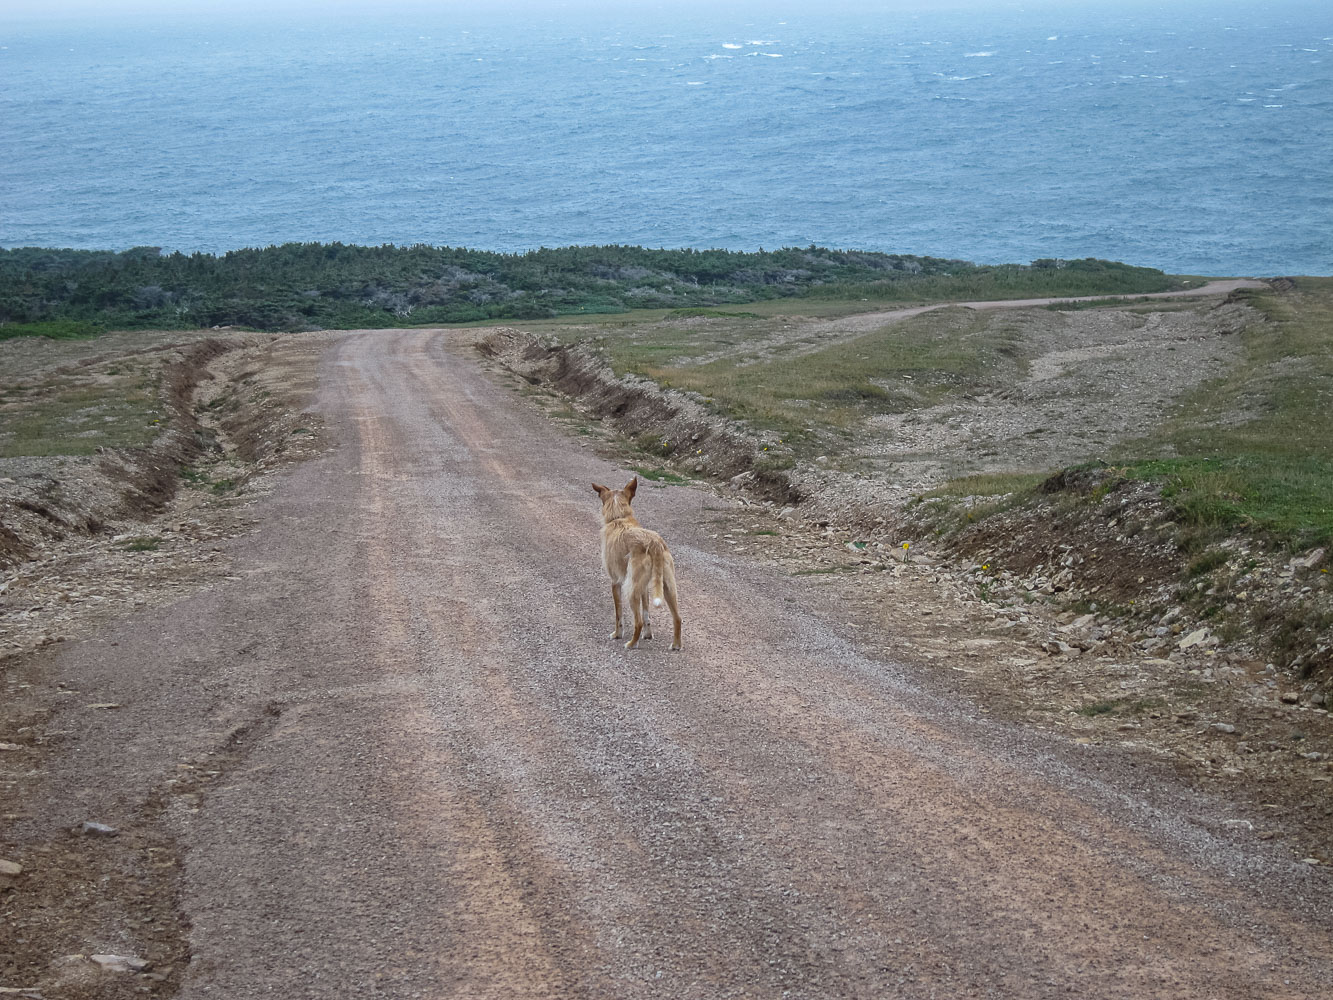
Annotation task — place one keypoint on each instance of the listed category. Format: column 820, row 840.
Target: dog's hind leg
column 615, row 596
column 647, row 625
column 639, row 569
column 669, row 595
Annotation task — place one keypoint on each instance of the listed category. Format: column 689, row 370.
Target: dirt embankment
column 664, row 423
column 46, row 500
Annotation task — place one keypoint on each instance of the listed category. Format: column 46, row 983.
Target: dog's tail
column 657, row 552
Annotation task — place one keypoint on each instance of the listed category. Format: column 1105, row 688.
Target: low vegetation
column 80, row 415
column 796, row 388
column 1253, row 450
column 304, row 285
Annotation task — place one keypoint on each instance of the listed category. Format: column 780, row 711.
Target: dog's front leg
column 615, row 596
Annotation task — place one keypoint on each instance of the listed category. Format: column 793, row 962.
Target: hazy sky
column 185, row 9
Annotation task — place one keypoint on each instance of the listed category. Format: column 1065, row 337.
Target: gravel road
column 437, row 777
column 872, row 320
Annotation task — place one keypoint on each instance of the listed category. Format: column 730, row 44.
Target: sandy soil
column 394, row 754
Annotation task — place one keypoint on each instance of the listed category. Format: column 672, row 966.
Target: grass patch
column 60, row 329
column 1097, row 708
column 1005, row 490
column 768, row 464
column 917, row 362
column 1088, row 304
column 80, row 417
column 144, row 543
column 1253, row 449
column 709, row 314
column 990, row 484
column 1207, row 562
column 664, row 476
column 1045, row 279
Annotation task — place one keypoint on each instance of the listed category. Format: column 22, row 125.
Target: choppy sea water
column 1196, row 138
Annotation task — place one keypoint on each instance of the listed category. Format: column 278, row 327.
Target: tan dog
column 631, row 550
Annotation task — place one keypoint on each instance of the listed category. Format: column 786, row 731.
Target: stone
column 1223, row 727
column 1194, row 638
column 121, row 963
column 1308, row 561
column 11, row 746
column 97, row 829
column 1290, row 697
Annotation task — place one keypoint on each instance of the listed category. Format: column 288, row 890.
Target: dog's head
column 615, row 503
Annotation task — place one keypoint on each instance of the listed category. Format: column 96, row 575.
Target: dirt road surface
column 869, row 321
column 428, row 772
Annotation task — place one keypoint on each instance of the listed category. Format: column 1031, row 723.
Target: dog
column 630, row 551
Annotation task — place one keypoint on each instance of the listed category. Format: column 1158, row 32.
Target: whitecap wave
column 977, row 55
column 732, row 45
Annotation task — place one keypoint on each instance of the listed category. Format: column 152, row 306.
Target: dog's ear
column 600, row 490
column 630, row 487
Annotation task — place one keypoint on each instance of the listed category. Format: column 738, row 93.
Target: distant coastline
column 299, row 286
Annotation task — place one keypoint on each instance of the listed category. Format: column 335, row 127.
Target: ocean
column 1197, row 138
